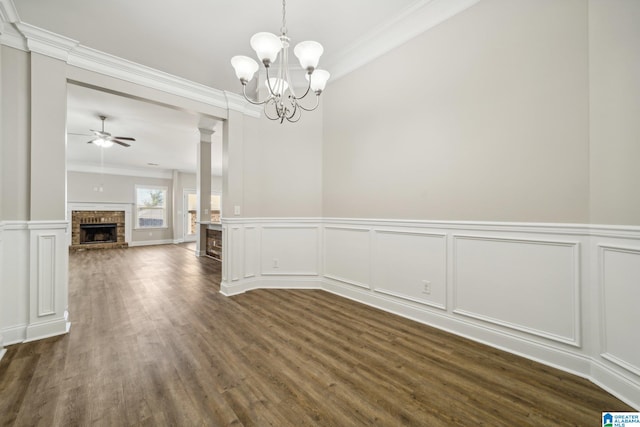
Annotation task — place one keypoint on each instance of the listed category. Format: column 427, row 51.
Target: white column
column 2, row 281
column 48, row 260
column 203, row 189
column 232, row 190
column 176, row 203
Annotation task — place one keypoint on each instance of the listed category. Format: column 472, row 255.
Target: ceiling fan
column 105, row 140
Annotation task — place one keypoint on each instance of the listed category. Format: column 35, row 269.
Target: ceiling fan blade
column 80, row 134
column 90, row 142
column 124, row 144
column 125, row 138
column 100, row 133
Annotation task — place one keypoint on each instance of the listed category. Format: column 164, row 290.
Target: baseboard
column 38, row 331
column 615, row 383
column 554, row 356
column 151, row 242
column 15, row 334
column 230, row 289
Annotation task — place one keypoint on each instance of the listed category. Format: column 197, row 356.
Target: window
column 151, row 207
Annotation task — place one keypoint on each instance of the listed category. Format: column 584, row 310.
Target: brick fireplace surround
column 97, row 217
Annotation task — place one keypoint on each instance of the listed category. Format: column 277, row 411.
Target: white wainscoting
column 620, row 299
column 274, row 254
column 347, row 255
column 411, row 265
column 536, row 290
column 2, row 349
column 34, row 280
column 524, row 284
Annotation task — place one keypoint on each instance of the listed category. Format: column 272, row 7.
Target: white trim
column 117, row 170
column 14, row 334
column 8, row 12
column 575, row 246
column 46, row 42
column 230, row 289
column 151, row 242
column 605, row 354
column 165, row 208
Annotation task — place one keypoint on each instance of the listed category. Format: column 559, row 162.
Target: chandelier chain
column 283, row 30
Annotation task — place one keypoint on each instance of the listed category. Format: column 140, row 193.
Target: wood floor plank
column 153, row 342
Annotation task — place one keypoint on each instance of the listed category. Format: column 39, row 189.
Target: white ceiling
column 193, row 39
column 166, row 137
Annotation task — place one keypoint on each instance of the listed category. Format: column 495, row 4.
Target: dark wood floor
column 154, row 343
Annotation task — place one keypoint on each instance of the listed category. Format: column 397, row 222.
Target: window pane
column 150, row 207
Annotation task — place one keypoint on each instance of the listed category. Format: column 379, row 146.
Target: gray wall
column 499, row 114
column 614, row 83
column 484, row 117
column 15, row 135
column 283, row 167
column 119, row 189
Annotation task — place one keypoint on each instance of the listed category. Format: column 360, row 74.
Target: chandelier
column 282, row 102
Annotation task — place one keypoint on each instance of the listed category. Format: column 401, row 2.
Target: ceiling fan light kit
column 282, row 102
column 105, row 140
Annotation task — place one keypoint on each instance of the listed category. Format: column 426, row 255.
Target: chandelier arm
column 244, row 92
column 305, row 93
column 266, row 110
column 293, row 113
column 314, row 107
column 272, row 94
column 292, row 119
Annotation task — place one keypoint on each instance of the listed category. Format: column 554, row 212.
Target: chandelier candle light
column 281, row 97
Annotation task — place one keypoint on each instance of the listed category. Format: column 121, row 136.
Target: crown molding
column 47, row 43
column 104, row 63
column 8, row 12
column 238, row 103
column 9, row 36
column 411, row 22
column 27, row 37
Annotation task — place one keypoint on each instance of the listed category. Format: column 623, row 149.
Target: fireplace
column 98, row 233
column 97, row 230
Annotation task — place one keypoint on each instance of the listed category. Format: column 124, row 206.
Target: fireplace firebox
column 98, row 233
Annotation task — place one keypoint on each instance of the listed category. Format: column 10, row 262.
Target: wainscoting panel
column 48, row 279
column 527, row 285
column 347, row 255
column 236, row 251
column 46, row 274
column 14, row 305
column 251, row 255
column 289, row 250
column 411, row 265
column 2, row 349
column 620, row 288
